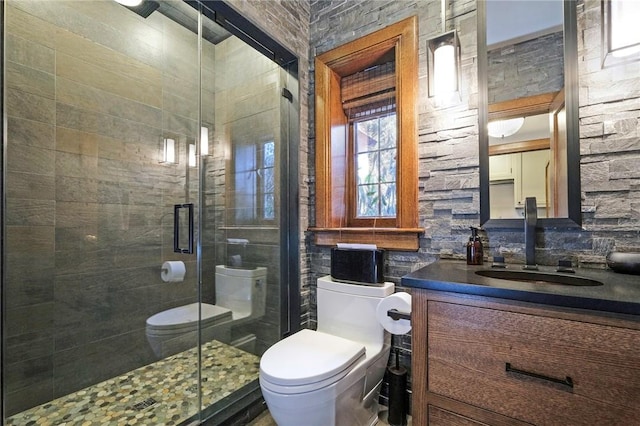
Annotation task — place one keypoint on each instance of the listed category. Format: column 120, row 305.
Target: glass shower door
column 101, row 108
column 136, row 137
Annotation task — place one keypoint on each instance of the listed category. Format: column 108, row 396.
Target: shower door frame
column 228, row 18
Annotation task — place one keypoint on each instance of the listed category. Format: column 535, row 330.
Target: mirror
column 529, row 141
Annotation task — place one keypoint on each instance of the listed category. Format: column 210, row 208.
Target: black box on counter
column 357, row 266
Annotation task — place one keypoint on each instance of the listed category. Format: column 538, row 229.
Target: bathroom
column 449, row 185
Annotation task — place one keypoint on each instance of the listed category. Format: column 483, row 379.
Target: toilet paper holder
column 397, row 315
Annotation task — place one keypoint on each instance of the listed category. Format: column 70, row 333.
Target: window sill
column 402, row 239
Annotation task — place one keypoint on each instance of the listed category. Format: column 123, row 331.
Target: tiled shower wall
column 448, row 144
column 92, row 89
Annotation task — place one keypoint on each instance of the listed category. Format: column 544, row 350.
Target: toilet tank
column 349, row 310
column 244, row 291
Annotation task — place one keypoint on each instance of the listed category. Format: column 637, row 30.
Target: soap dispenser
column 475, row 252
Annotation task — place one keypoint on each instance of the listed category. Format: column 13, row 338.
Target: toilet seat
column 185, row 318
column 308, row 360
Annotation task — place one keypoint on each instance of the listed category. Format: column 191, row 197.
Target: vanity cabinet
column 526, row 170
column 479, row 360
column 502, row 167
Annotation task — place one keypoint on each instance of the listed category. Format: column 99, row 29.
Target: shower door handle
column 176, row 228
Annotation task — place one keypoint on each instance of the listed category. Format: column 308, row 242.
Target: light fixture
column 443, row 59
column 143, row 8
column 130, row 3
column 204, row 140
column 169, row 152
column 620, row 37
column 504, row 128
column 192, row 155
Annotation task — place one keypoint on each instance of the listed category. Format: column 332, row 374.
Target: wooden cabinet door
column 535, row 369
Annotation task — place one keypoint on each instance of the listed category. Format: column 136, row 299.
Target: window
column 254, row 183
column 366, row 140
column 374, row 161
column 266, row 176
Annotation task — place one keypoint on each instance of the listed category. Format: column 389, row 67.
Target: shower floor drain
column 144, row 404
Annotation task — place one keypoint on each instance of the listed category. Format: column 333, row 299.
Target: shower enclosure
column 133, row 136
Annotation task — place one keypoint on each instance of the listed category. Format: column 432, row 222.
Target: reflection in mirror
column 526, row 61
column 519, row 167
column 527, row 156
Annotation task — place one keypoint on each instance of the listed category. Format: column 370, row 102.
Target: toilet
column 331, row 376
column 176, row 329
column 240, row 297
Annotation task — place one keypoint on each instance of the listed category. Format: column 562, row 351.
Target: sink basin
column 538, row 277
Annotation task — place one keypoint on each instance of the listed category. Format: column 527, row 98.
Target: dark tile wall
column 92, row 91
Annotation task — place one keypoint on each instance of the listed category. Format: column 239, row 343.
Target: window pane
column 375, row 164
column 388, row 200
column 388, row 131
column 367, row 135
column 268, row 183
column 388, row 165
column 269, row 207
column 269, row 154
column 368, row 168
column 368, row 200
column 245, row 158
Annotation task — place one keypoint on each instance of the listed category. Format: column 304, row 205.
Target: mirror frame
column 574, row 218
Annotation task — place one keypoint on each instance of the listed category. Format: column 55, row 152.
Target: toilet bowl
column 240, row 297
column 331, row 376
column 176, row 329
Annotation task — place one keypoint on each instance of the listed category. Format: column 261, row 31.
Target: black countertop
column 618, row 293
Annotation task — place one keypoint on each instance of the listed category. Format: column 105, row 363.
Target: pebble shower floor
column 162, row 393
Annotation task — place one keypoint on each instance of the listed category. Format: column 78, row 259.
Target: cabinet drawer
column 534, row 368
column 442, row 417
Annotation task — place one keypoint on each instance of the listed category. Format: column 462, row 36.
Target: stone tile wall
column 526, row 69
column 448, row 145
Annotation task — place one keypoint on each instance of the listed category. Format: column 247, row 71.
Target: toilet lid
column 307, row 357
column 187, row 317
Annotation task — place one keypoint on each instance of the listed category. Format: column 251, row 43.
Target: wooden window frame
column 332, row 138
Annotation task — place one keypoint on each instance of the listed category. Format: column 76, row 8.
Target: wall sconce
column 620, row 37
column 443, row 60
column 169, row 151
column 192, row 155
column 204, row 140
column 443, row 56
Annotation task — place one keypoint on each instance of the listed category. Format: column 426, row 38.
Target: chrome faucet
column 530, row 222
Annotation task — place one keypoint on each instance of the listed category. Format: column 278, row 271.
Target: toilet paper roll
column 400, row 301
column 173, row 271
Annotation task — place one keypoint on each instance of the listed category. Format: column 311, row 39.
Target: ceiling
column 510, row 19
